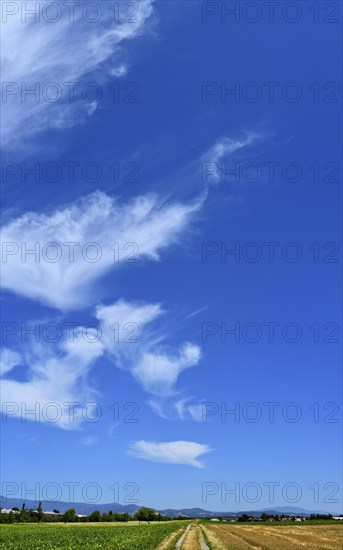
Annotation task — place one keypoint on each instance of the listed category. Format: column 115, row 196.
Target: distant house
column 4, row 511
column 214, row 519
column 337, row 517
column 270, row 519
column 299, row 519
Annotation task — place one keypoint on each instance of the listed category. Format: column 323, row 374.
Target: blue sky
column 142, row 173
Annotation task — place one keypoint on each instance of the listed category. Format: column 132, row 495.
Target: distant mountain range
column 83, row 508
column 199, row 512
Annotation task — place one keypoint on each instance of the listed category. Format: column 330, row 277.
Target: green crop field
column 85, row 537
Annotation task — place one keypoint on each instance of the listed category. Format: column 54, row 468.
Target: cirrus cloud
column 63, row 57
column 79, row 243
column 57, row 376
column 171, row 452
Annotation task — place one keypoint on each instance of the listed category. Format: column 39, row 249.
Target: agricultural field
column 274, row 537
column 101, row 536
column 175, row 535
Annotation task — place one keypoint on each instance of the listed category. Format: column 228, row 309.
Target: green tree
column 39, row 511
column 56, row 511
column 24, row 514
column 11, row 517
column 145, row 514
column 95, row 516
column 69, row 516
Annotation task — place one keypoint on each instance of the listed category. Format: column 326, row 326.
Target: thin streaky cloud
column 196, row 312
column 152, row 363
column 121, row 233
column 61, row 373
column 223, row 149
column 56, row 382
column 171, row 452
column 64, row 56
column 8, row 360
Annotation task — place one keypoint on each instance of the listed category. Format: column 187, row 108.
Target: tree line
column 70, row 516
column 277, row 517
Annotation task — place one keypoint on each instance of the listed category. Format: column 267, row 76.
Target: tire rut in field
column 168, row 542
column 192, row 539
column 203, row 543
column 213, row 540
column 182, row 538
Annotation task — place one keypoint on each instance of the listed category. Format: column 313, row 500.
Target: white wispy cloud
column 152, row 363
column 221, row 151
column 128, row 334
column 171, row 408
column 70, row 52
column 56, row 386
column 8, row 360
column 187, row 410
column 66, row 265
column 196, row 312
column 158, row 371
column 171, row 452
